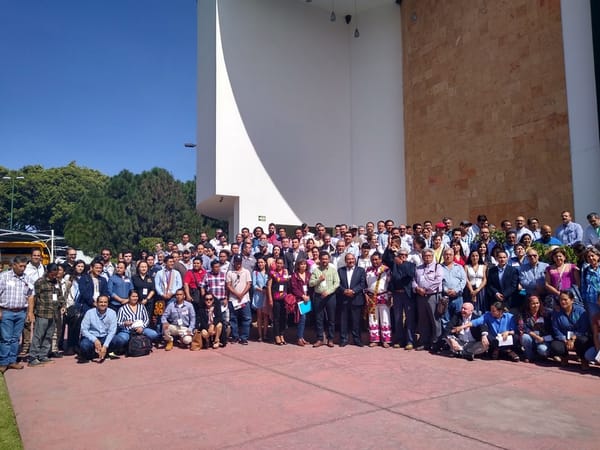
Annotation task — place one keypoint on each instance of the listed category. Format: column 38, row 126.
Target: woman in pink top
column 561, row 276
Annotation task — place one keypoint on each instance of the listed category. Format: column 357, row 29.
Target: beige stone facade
column 486, row 128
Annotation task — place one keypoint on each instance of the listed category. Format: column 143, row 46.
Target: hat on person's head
column 237, row 259
column 465, row 223
column 353, row 227
column 440, row 225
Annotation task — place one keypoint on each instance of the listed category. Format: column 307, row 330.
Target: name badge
column 179, row 322
column 281, row 287
column 221, row 282
column 55, row 297
column 185, row 313
column 570, row 335
column 145, row 291
column 305, row 288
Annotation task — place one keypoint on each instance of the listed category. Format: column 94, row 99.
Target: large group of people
column 434, row 287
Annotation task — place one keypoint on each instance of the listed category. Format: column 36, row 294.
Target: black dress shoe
column 359, row 344
column 343, row 344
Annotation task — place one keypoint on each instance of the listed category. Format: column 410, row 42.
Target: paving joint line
column 356, row 399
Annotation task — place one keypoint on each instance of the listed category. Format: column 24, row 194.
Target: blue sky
column 110, row 84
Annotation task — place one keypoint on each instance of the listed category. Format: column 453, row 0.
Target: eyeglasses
column 532, row 256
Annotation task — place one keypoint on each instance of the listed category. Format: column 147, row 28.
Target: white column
column 581, row 104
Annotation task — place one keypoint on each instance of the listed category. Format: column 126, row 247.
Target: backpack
column 139, row 345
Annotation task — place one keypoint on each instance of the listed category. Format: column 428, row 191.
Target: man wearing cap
column 440, row 230
column 239, row 281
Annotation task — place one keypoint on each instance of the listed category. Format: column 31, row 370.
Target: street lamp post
column 12, row 197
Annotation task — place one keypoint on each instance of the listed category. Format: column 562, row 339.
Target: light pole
column 12, row 196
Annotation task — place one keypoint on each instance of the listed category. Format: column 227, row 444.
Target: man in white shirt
column 239, row 282
column 591, row 235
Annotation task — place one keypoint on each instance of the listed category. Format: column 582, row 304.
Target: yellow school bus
column 10, row 249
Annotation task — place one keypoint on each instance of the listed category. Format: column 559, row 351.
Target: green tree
column 133, row 208
column 45, row 198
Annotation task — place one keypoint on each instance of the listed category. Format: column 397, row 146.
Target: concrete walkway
column 265, row 396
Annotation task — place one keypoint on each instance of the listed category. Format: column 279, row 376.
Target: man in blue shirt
column 178, row 320
column 501, row 331
column 569, row 232
column 98, row 328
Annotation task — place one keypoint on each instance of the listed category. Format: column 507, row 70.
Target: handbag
column 74, row 312
column 441, row 304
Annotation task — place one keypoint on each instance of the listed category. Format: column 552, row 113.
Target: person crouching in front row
column 465, row 342
column 210, row 325
column 178, row 321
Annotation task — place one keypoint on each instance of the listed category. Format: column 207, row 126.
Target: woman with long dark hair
column 277, row 288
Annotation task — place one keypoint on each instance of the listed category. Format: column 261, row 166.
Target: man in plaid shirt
column 43, row 308
column 215, row 283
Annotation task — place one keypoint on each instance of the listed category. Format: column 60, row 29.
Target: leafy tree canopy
column 93, row 210
column 45, row 198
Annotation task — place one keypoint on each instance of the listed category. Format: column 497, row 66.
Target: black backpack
column 139, row 345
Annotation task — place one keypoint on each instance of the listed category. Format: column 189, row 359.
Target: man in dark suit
column 293, row 255
column 502, row 282
column 465, row 342
column 403, row 274
column 352, row 299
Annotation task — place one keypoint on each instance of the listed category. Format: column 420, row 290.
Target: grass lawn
column 9, row 437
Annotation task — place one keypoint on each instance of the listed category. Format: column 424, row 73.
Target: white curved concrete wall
column 581, row 103
column 298, row 121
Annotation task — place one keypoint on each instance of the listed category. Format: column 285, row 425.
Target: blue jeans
column 87, row 349
column 121, row 339
column 530, row 347
column 301, row 326
column 240, row 320
column 11, row 327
